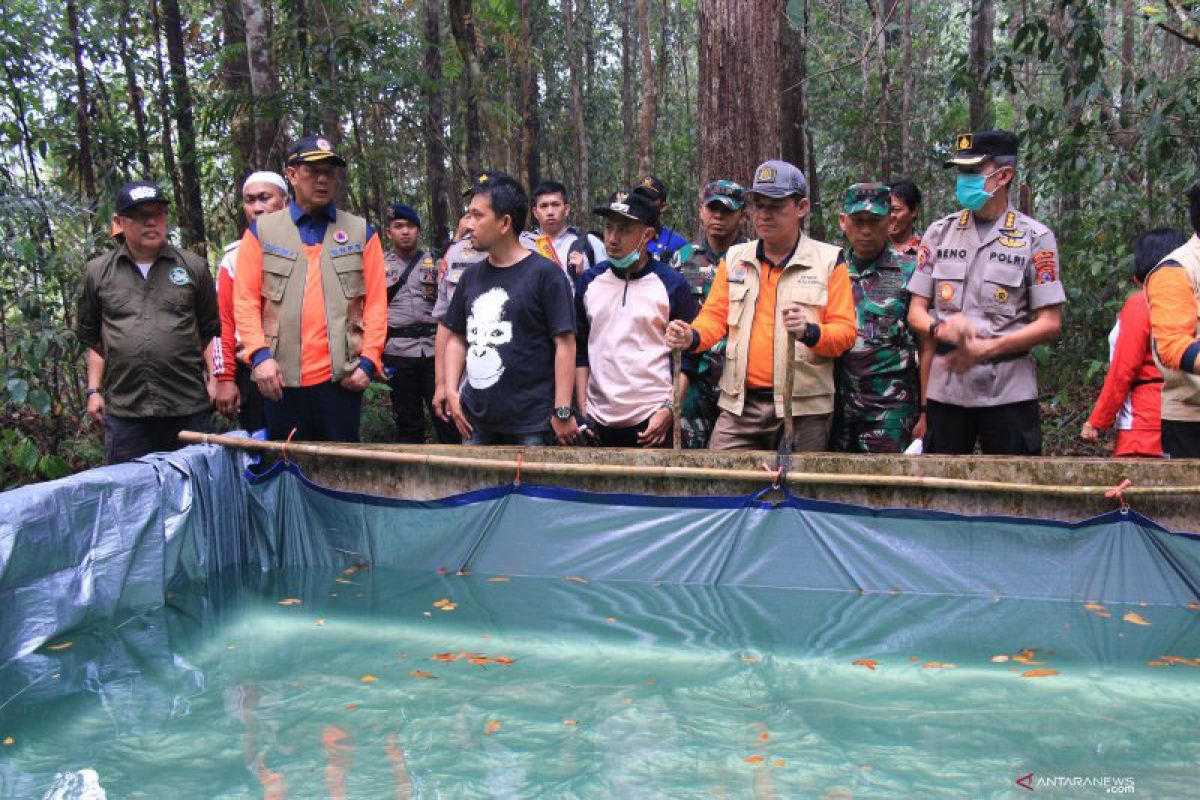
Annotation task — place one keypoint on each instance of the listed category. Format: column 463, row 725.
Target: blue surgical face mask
column 626, row 261
column 970, row 192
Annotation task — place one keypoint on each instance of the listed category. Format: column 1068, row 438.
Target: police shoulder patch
column 1046, row 263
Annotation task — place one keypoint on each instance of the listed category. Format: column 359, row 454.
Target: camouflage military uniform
column 699, row 411
column 877, row 384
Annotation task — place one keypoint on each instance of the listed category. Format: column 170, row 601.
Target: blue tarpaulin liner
column 85, row 548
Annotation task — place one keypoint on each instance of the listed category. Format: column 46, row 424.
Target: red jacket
column 1132, row 374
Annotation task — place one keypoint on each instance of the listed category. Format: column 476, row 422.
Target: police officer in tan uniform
column 986, row 291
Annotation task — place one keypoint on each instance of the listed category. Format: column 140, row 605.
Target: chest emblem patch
column 178, row 276
column 341, row 237
column 1001, row 294
column 946, row 292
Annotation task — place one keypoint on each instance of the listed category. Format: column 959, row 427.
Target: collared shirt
column 663, row 248
column 411, row 304
column 460, row 256
column 315, row 365
column 152, row 331
column 569, row 240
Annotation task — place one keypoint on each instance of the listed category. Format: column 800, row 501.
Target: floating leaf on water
column 575, row 579
column 446, row 656
column 480, row 660
column 1000, row 659
column 865, row 662
column 1105, row 614
column 506, row 661
column 1187, row 662
column 938, row 665
column 422, row 675
column 753, row 759
column 1026, row 657
column 448, row 607
column 343, row 580
column 914, row 658
column 368, row 679
column 1039, row 673
column 1157, row 664
column 492, row 726
column 779, row 762
column 59, row 646
column 764, row 736
column 290, row 601
column 1136, row 619
column 8, row 740
column 570, row 722
column 610, row 619
column 498, row 579
column 351, row 706
column 1093, row 607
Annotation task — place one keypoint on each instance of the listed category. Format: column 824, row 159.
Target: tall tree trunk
column 462, row 26
column 735, row 88
column 310, row 121
column 327, row 26
column 191, row 217
column 649, row 91
column 906, row 96
column 576, row 63
column 83, row 133
column 889, row 162
column 627, row 77
column 136, row 100
column 983, row 20
column 164, row 107
column 435, row 147
column 235, row 79
column 266, row 109
column 793, row 89
column 530, row 124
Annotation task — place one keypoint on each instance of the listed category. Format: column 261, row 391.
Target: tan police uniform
column 460, row 256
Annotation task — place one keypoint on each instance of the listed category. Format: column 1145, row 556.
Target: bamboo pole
column 434, row 460
column 789, row 383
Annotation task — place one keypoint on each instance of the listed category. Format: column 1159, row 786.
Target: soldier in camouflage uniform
column 878, row 390
column 722, row 214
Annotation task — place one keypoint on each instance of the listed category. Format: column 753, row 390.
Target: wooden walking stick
column 789, row 425
column 677, row 424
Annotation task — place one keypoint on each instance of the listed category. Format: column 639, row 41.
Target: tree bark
column 739, row 95
column 83, row 133
column 793, row 88
column 649, row 91
column 575, row 55
column 136, row 99
column 327, row 16
column 983, row 20
column 906, row 97
column 235, row 79
column 462, row 25
column 164, row 107
column 191, row 212
column 266, row 110
column 530, row 124
column 627, row 76
column 435, row 148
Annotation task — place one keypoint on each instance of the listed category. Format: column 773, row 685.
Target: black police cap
column 971, row 149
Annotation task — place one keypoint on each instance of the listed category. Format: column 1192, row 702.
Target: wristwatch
column 562, row 413
column 91, row 390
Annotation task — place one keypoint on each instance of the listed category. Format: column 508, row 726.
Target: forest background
column 594, row 93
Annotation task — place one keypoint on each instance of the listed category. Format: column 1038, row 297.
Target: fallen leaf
column 938, row 665
column 999, row 659
column 498, row 579
column 421, row 674
column 446, row 656
column 1136, row 619
column 610, row 619
column 449, row 607
column 1157, row 664
column 60, row 646
column 343, row 580
column 764, row 736
column 575, row 579
column 866, row 662
column 506, row 661
column 1187, row 662
column 368, row 679
column 290, row 601
column 492, row 726
column 351, row 706
column 320, row 621
column 1193, row 606
column 479, row 661
column 8, row 740
column 777, row 762
column 1105, row 614
column 1039, row 673
column 1093, row 606
column 570, row 722
column 442, row 602
column 913, row 658
column 1026, row 657
column 753, row 759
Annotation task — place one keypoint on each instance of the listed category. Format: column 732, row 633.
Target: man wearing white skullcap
column 262, row 193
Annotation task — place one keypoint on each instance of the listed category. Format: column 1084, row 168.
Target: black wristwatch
column 91, row 390
column 562, row 413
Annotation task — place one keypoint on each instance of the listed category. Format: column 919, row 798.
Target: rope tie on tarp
column 517, row 477
column 778, row 472
column 1118, row 492
column 288, row 441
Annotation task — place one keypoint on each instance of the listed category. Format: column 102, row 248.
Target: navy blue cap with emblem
column 633, row 205
column 134, row 194
column 403, row 211
column 312, row 149
column 972, row 149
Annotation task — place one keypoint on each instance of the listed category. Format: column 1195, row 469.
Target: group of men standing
column 552, row 336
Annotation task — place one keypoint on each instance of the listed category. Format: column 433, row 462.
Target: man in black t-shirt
column 512, row 326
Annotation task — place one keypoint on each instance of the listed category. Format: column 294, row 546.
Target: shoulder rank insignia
column 1010, row 221
column 964, row 218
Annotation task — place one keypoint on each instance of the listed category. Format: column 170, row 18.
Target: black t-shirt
column 510, row 317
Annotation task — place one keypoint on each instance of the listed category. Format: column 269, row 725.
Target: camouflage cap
column 727, row 193
column 875, row 198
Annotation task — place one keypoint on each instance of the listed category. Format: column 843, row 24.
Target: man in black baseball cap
column 146, row 290
column 668, row 241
